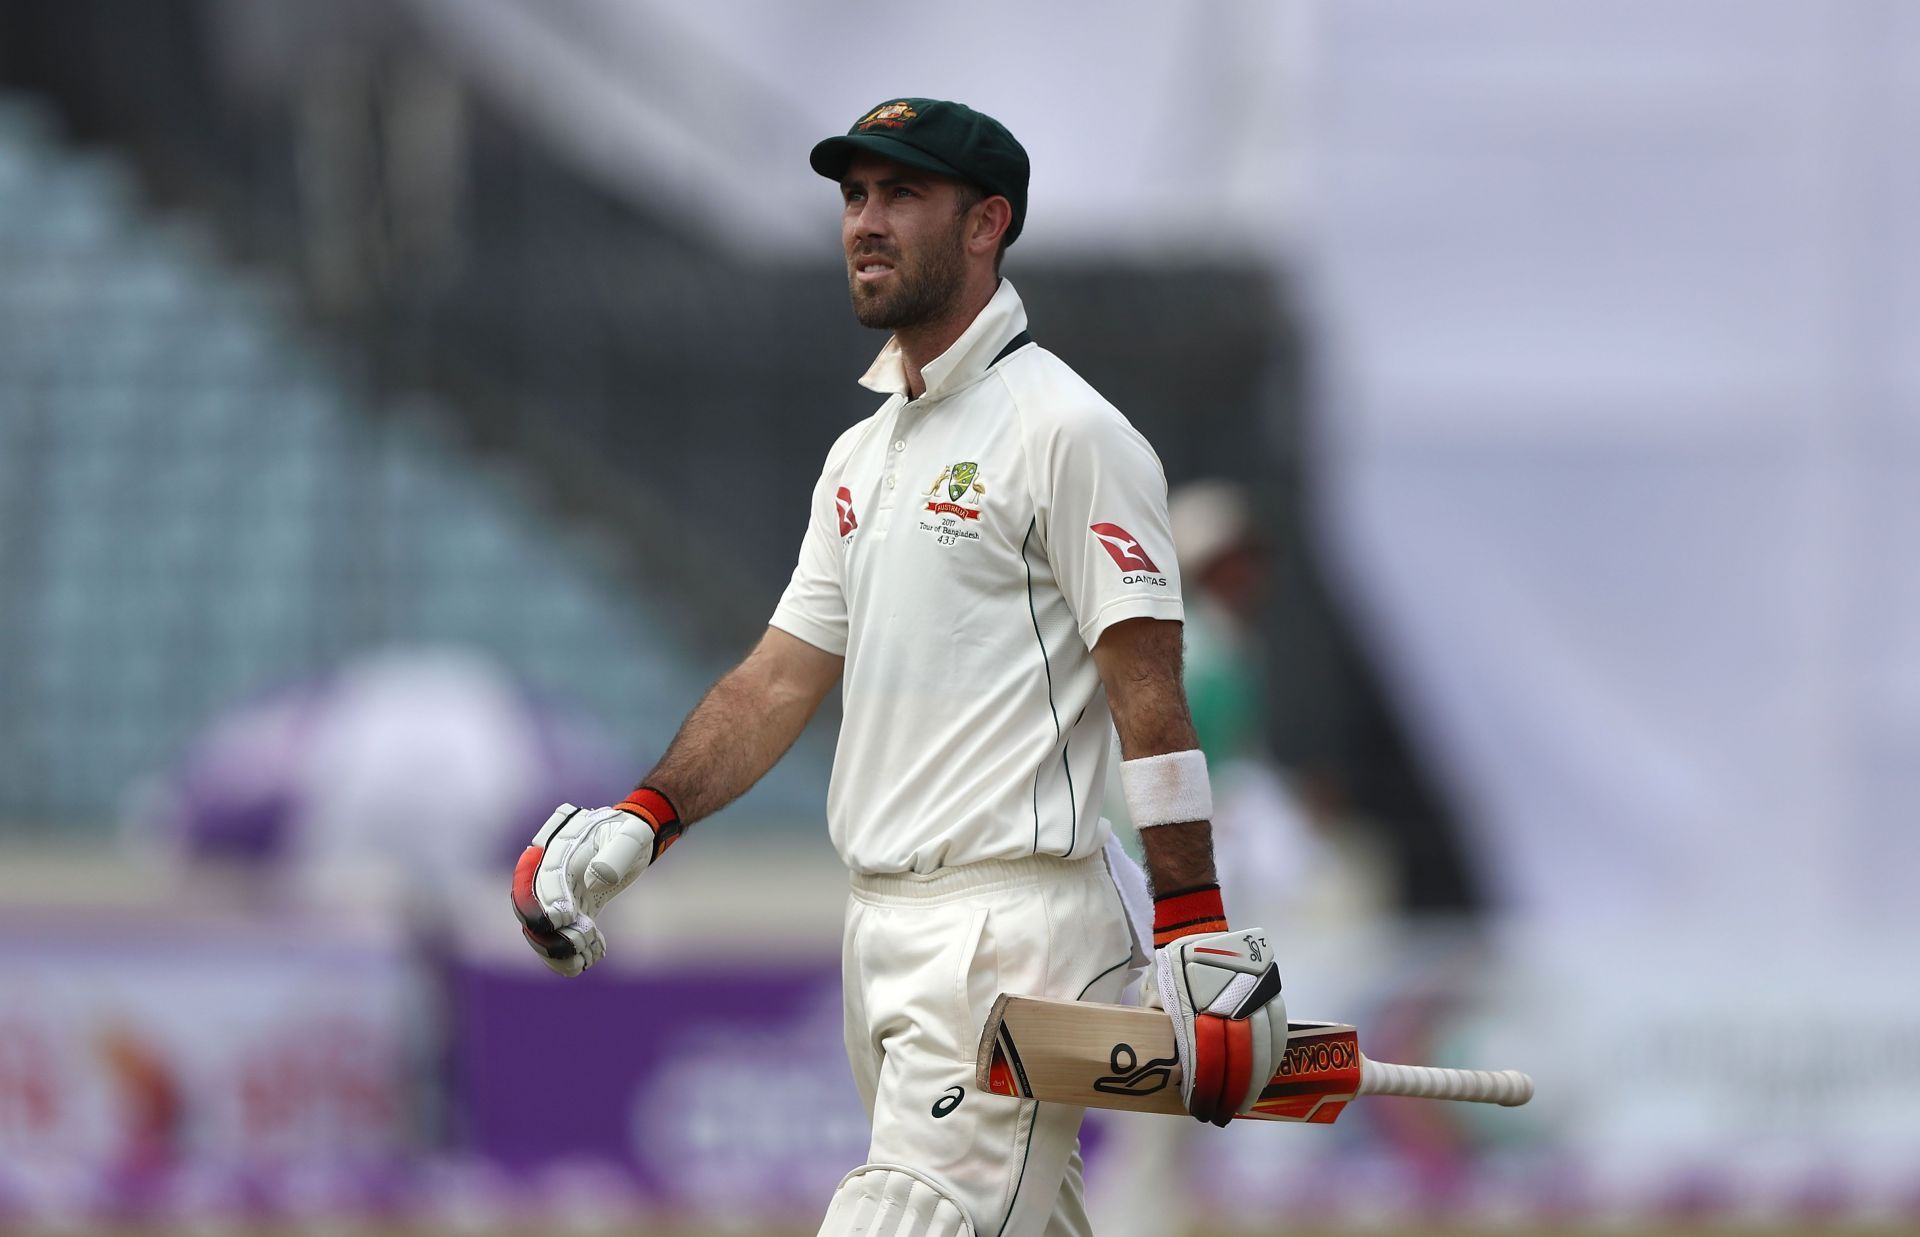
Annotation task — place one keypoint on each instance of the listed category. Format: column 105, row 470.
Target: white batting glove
column 1222, row 990
column 577, row 861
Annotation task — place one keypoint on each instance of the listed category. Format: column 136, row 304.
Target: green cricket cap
column 949, row 138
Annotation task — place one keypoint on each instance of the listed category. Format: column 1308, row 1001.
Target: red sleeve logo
column 844, row 502
column 1123, row 548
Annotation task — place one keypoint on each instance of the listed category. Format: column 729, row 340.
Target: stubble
column 924, row 290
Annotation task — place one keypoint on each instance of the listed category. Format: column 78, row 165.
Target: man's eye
column 903, row 193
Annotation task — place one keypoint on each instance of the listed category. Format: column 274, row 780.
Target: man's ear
column 992, row 216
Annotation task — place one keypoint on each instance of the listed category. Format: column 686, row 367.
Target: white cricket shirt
column 965, row 552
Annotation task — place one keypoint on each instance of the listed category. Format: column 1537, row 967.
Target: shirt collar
column 961, row 364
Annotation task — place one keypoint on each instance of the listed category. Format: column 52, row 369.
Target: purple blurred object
column 717, row 1090
column 314, row 771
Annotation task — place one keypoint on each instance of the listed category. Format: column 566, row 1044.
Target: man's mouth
column 869, row 270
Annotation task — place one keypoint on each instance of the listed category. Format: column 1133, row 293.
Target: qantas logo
column 844, row 501
column 1124, row 549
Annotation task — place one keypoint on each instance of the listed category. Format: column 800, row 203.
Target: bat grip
column 1476, row 1086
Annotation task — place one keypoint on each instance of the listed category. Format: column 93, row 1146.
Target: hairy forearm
column 1178, row 857
column 737, row 732
column 1144, row 689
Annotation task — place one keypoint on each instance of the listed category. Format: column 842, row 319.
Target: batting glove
column 1222, row 990
column 574, row 866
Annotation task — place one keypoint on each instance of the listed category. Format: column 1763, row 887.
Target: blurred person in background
column 1291, row 850
column 307, row 784
column 1262, row 834
column 1274, row 853
column 993, row 628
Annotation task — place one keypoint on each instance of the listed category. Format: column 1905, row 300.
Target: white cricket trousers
column 923, row 959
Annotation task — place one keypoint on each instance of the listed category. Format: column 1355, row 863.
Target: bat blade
column 1122, row 1057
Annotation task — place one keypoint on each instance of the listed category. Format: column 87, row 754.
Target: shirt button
column 901, row 445
column 889, row 482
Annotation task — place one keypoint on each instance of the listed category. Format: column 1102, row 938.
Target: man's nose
column 870, row 219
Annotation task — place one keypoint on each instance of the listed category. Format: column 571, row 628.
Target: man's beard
column 922, row 292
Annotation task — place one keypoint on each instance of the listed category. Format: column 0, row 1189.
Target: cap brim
column 831, row 157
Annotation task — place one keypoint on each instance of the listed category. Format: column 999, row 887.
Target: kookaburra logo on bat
column 1131, row 1077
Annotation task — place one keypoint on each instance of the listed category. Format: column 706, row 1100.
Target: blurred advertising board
column 711, row 1089
column 154, row 1065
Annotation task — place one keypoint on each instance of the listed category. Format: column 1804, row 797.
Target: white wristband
column 1167, row 790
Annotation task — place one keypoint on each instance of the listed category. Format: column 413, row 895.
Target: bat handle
column 1476, row 1086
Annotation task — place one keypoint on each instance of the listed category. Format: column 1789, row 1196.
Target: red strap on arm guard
column 657, row 810
column 1188, row 912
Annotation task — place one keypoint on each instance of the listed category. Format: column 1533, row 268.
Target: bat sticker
column 1129, row 1077
column 1124, row 1056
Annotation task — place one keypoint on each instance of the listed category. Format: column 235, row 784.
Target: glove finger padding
column 534, row 916
column 571, row 949
column 554, row 895
column 1222, row 990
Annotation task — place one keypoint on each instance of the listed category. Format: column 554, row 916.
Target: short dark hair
column 968, row 195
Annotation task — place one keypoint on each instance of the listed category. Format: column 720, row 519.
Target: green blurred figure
column 1278, row 865
column 1225, row 569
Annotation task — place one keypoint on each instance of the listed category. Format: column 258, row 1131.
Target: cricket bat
column 1122, row 1056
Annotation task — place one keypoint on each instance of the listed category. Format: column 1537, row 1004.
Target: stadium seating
column 198, row 502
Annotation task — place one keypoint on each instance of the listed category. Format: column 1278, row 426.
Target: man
column 981, row 569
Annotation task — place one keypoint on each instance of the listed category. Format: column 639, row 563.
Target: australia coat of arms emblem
column 964, row 491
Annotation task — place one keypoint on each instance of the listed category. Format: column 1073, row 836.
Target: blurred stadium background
column 406, row 409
